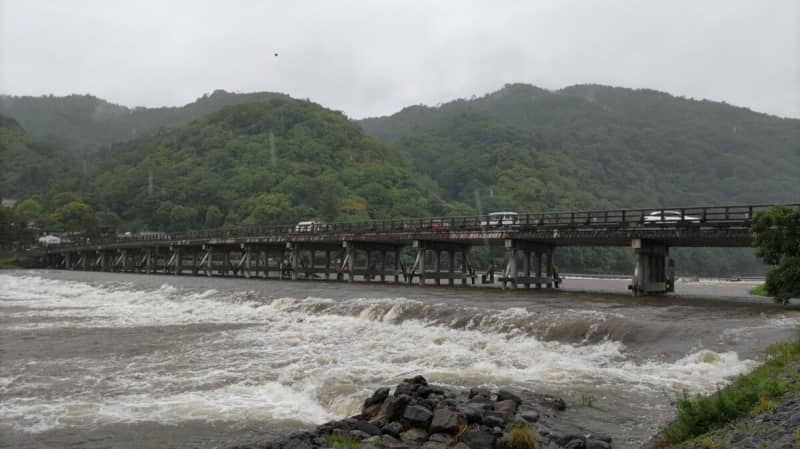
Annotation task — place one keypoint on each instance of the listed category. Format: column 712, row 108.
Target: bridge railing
column 652, row 217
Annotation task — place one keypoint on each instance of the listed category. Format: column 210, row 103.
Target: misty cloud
column 373, row 58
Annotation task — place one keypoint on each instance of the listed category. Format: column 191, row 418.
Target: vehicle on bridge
column 308, row 226
column 501, row 219
column 669, row 216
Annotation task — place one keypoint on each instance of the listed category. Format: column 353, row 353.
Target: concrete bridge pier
column 529, row 263
column 654, row 272
column 305, row 259
column 436, row 250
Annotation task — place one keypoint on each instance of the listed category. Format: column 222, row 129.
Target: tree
column 777, row 241
column 214, row 217
column 28, row 211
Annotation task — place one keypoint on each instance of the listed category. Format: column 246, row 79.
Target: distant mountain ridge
column 629, row 147
column 85, row 122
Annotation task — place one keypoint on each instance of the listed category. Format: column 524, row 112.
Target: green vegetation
column 587, row 400
column 750, row 394
column 257, row 159
column 84, row 123
column 759, row 290
column 525, row 148
column 342, row 442
column 777, row 241
column 519, row 436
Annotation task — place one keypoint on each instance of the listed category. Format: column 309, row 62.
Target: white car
column 669, row 216
column 49, row 240
column 500, row 219
column 308, row 226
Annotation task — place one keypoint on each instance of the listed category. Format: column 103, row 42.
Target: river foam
column 303, row 359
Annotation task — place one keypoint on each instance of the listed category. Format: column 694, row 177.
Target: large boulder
column 479, row 439
column 447, row 421
column 507, row 408
column 395, row 406
column 417, row 416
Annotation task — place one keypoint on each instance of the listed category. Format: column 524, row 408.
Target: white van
column 500, row 219
column 49, row 240
column 306, row 226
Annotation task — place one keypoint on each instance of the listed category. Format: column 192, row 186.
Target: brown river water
column 105, row 360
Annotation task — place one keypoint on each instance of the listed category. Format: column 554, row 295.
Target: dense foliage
column 525, row 148
column 83, row 123
column 777, row 240
column 29, row 166
column 274, row 159
column 272, row 162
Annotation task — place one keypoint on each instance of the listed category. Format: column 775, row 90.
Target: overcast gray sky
column 373, row 58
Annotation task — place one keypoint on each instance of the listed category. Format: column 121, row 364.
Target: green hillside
column 83, row 122
column 272, row 162
column 620, row 147
column 30, row 167
column 594, row 147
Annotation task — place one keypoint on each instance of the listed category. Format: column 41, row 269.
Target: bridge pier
column 654, row 272
column 524, row 251
column 436, row 249
column 375, row 256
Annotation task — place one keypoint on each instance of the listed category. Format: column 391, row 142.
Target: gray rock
column 784, row 442
column 358, row 435
column 395, row 406
column 366, row 427
column 479, row 439
column 374, row 441
column 473, row 412
column 390, row 442
column 377, row 397
column 492, row 420
column 433, row 445
column 440, row 438
column 393, row 428
column 794, row 420
column 597, row 444
column 562, row 439
column 575, row 444
column 554, row 402
column 417, row 416
column 447, row 421
column 507, row 408
column 414, row 435
column 460, row 446
column 478, row 391
column 530, row 416
column 505, row 395
column 406, row 388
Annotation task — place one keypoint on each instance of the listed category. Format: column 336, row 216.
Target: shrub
column 519, row 436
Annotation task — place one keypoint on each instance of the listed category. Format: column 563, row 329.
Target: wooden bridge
column 371, row 250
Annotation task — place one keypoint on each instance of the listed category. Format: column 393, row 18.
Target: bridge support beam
column 517, row 273
column 435, row 249
column 654, row 272
column 372, row 266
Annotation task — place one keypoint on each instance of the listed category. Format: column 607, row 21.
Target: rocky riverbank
column 418, row 415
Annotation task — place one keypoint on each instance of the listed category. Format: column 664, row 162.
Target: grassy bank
column 702, row 420
column 759, row 290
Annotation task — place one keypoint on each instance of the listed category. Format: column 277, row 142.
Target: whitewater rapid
column 177, row 352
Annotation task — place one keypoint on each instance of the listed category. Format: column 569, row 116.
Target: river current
column 105, row 360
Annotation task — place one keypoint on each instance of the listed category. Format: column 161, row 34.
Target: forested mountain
column 29, row 166
column 83, row 123
column 592, row 147
column 272, row 162
column 598, row 146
